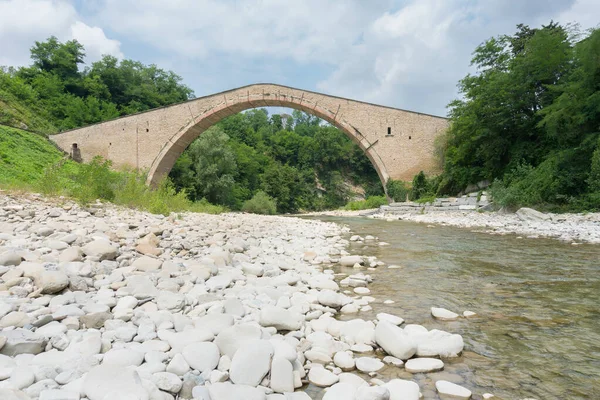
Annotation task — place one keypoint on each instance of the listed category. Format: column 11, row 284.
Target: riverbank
column 569, row 227
column 574, row 228
column 104, row 300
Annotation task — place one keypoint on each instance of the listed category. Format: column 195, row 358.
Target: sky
column 408, row 54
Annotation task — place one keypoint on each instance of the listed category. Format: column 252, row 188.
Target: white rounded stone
column 390, row 318
column 201, row 356
column 394, row 340
column 368, row 364
column 344, row 360
column 319, row 376
column 443, row 314
column 420, row 365
column 401, row 389
column 453, row 390
column 251, row 362
column 105, row 381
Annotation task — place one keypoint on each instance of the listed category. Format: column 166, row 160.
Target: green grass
column 21, row 111
column 24, row 156
column 371, row 202
column 30, row 162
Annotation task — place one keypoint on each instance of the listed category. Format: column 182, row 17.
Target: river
column 537, row 334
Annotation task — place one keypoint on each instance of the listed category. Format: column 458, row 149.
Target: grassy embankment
column 30, row 162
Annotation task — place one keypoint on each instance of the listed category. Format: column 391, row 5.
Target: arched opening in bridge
column 294, row 156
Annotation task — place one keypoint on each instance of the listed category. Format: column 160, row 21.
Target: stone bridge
column 399, row 143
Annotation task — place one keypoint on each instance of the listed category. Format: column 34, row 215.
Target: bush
column 420, row 186
column 370, row 202
column 260, row 203
column 594, row 178
column 396, row 190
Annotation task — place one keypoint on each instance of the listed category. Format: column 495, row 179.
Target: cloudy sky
column 402, row 53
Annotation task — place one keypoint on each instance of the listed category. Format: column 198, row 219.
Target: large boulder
column 10, row 258
column 230, row 339
column 394, row 340
column 282, row 375
column 113, row 382
column 101, row 249
column 349, row 261
column 147, row 264
column 22, row 341
column 449, row 390
column 51, row 282
column 203, row 356
column 251, row 362
column 280, row 318
column 227, row 391
column 401, row 389
column 531, row 215
column 319, row 376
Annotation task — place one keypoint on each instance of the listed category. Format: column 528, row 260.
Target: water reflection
column 538, row 330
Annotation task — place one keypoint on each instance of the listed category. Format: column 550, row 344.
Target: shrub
column 594, row 177
column 420, row 186
column 396, row 190
column 94, row 180
column 260, row 203
column 368, row 203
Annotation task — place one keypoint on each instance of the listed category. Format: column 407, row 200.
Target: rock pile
column 104, row 303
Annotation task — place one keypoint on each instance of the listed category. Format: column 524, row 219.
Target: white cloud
column 403, row 53
column 584, row 12
column 95, row 41
column 22, row 22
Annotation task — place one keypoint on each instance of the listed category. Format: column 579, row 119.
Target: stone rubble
column 101, row 303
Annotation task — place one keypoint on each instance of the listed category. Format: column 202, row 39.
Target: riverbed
column 538, row 327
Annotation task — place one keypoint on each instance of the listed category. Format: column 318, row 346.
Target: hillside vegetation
column 30, row 162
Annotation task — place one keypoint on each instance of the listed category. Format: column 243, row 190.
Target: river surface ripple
column 538, row 330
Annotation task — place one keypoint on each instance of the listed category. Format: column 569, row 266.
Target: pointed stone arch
column 153, row 140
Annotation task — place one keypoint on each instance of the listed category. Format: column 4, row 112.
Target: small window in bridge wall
column 389, row 132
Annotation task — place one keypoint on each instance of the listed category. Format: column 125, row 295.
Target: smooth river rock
column 449, row 390
column 418, row 365
column 251, row 362
column 394, row 340
column 113, row 382
column 443, row 314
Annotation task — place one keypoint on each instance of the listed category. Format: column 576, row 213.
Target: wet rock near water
column 124, row 304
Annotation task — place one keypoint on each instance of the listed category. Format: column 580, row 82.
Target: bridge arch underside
column 172, row 150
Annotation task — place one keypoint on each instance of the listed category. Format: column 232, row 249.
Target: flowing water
column 537, row 334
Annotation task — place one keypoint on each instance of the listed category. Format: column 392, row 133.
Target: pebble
column 123, row 304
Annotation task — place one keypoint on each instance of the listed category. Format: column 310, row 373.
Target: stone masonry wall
column 153, row 140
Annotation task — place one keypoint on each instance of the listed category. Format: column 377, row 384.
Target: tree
column 214, row 167
column 62, row 59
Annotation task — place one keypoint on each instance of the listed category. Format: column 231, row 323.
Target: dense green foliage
column 55, row 93
column 529, row 120
column 302, row 163
column 369, row 203
column 260, row 203
column 30, row 162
